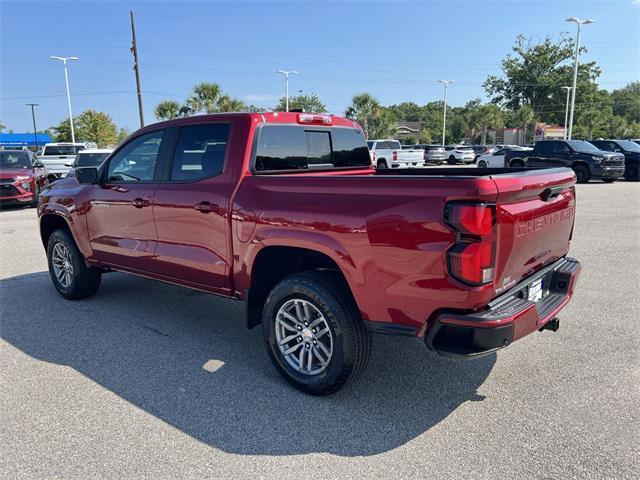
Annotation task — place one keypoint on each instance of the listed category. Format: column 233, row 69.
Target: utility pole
column 286, row 74
column 578, row 22
column 136, row 67
column 64, row 61
column 33, row 116
column 566, row 111
column 444, row 119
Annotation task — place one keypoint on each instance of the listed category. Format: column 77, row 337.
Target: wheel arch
column 272, row 263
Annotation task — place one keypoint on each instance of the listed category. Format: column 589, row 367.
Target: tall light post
column 33, row 116
column 444, row 117
column 286, row 74
column 64, row 61
column 566, row 110
column 578, row 22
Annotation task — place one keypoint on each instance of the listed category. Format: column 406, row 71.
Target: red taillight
column 472, row 257
column 395, row 156
column 314, row 118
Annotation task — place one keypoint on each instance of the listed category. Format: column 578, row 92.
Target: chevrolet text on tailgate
column 285, row 212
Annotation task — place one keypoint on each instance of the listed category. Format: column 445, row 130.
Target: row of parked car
column 24, row 174
column 602, row 159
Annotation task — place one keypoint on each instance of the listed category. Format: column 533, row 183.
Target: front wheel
column 482, row 164
column 36, row 197
column 382, row 165
column 451, row 160
column 69, row 274
column 582, row 173
column 313, row 332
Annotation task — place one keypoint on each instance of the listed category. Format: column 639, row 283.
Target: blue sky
column 394, row 50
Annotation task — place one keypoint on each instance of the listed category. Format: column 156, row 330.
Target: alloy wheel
column 62, row 265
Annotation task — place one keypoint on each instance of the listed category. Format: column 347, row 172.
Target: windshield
column 62, row 149
column 90, row 159
column 629, row 146
column 14, row 160
column 583, row 146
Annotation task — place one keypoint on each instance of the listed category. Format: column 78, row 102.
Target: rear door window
column 200, row 151
column 349, row 149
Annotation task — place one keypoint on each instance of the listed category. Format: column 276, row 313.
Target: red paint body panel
column 386, row 233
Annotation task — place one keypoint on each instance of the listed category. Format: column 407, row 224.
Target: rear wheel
column 482, row 164
column 69, row 274
column 582, row 173
column 313, row 332
column 631, row 174
column 382, row 165
column 516, row 164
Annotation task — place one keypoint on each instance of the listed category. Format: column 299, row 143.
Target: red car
column 22, row 178
column 284, row 212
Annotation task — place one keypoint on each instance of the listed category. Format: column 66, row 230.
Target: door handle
column 206, row 207
column 140, row 202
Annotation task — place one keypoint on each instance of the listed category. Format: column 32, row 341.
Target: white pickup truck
column 57, row 157
column 389, row 154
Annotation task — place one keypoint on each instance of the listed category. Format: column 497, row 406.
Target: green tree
column 2, row 126
column 167, row 109
column 123, row 133
column 205, row 98
column 534, row 74
column 228, row 104
column 376, row 121
column 62, row 131
column 524, row 117
column 96, row 127
column 306, row 103
column 625, row 101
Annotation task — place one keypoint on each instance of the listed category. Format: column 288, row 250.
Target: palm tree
column 204, row 97
column 167, row 109
column 364, row 109
column 524, row 116
column 490, row 116
column 228, row 104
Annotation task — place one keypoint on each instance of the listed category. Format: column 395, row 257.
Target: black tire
column 582, row 173
column 516, row 164
column 632, row 174
column 608, row 180
column 451, row 160
column 36, row 197
column 482, row 164
column 328, row 293
column 85, row 281
column 382, row 165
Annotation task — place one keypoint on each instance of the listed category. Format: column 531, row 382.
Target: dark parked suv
column 631, row 152
column 585, row 159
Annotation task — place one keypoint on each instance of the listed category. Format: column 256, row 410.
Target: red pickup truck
column 285, row 212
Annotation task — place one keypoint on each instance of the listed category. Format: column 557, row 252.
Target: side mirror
column 68, row 164
column 87, row 175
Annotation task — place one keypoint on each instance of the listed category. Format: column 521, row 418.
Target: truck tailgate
column 535, row 215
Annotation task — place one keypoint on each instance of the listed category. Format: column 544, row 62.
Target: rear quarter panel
column 385, row 233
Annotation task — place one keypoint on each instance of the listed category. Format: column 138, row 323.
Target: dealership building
column 23, row 140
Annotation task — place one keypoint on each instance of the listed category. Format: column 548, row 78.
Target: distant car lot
column 158, row 390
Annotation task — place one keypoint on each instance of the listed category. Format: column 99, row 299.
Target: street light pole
column 566, row 111
column 286, row 74
column 33, row 116
column 64, row 61
column 444, row 117
column 578, row 22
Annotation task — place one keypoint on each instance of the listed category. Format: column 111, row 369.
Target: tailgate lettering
column 537, row 224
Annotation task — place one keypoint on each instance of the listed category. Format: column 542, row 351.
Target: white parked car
column 389, row 154
column 56, row 156
column 495, row 159
column 91, row 157
column 459, row 153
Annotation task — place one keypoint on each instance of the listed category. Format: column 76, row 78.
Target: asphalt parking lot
column 155, row 381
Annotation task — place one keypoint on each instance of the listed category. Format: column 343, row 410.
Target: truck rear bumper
column 507, row 318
